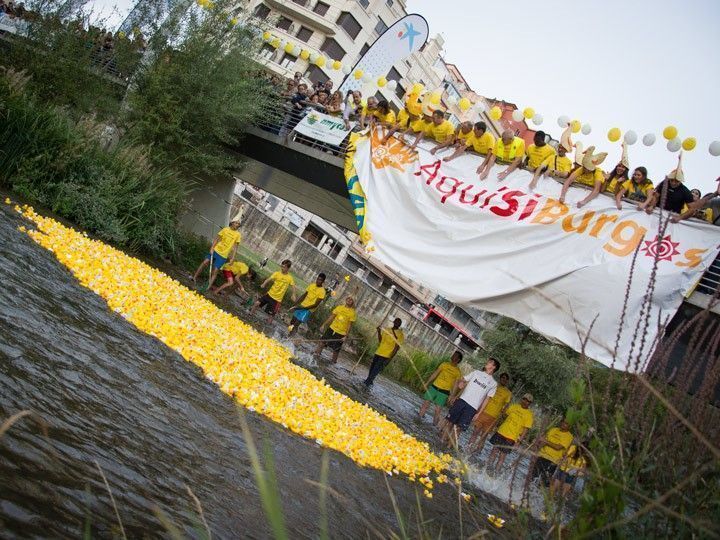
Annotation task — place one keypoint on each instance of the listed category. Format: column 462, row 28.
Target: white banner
column 497, row 246
column 323, row 127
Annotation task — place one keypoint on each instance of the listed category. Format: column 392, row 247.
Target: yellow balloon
column 289, row 47
column 464, row 104
column 614, row 135
column 435, row 98
column 576, row 125
column 382, row 81
column 337, row 64
column 320, row 62
column 417, row 88
column 689, row 144
column 275, row 43
column 670, row 132
column 234, row 21
column 495, row 113
column 304, row 54
column 358, row 74
column 529, row 112
column 266, row 35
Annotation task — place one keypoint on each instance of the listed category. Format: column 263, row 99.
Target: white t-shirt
column 479, row 386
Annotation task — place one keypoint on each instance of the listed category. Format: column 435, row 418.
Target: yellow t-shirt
column 556, row 436
column 637, row 192
column 280, row 285
column 504, row 153
column 571, row 463
column 558, row 163
column 538, row 154
column 517, row 420
column 388, row 341
column 501, row 398
column 447, row 376
column 589, row 178
column 482, row 144
column 388, row 118
column 443, row 132
column 421, row 125
column 313, row 294
column 227, row 237
column 344, row 317
column 462, row 136
column 238, row 268
column 403, row 118
column 614, row 184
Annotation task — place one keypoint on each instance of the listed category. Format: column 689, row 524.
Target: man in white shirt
column 477, row 389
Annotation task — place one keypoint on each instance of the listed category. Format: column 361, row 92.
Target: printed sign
column 323, row 127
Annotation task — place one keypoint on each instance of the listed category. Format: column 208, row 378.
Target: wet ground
column 102, row 392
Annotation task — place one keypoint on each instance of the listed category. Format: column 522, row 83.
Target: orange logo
column 394, row 153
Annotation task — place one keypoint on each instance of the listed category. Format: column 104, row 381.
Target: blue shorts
column 301, row 315
column 461, row 414
column 217, row 260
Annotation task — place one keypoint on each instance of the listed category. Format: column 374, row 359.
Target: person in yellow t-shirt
column 281, row 282
column 615, row 180
column 368, row 111
column 461, row 134
column 439, row 129
column 487, row 419
column 635, row 189
column 538, row 152
column 508, row 149
column 336, row 328
column 440, row 384
column 222, row 250
column 518, row 420
column 410, row 113
column 383, row 114
column 234, row 272
column 389, row 341
column 555, row 166
column 571, row 466
column 306, row 304
column 587, row 173
column 479, row 140
column 553, row 447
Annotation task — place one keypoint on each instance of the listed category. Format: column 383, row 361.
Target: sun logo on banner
column 662, row 248
column 393, row 153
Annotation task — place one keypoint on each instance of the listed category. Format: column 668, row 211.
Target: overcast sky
column 637, row 65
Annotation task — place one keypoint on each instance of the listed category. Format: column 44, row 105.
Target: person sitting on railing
column 670, row 193
column 458, row 140
column 508, row 149
column 479, row 140
column 556, row 166
column 708, row 206
column 635, row 189
column 538, row 152
column 368, row 111
column 587, row 173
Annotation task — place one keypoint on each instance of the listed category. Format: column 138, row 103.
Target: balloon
column 417, row 88
column 382, row 81
column 517, row 115
column 392, row 85
column 337, row 64
column 266, row 35
column 346, row 69
column 649, row 139
column 576, row 126
column 614, row 135
column 528, row 112
column 358, row 74
column 275, row 43
column 304, row 54
column 464, row 104
column 714, row 148
column 480, row 107
column 435, row 97
column 320, row 62
column 563, row 121
column 289, row 47
column 283, row 42
column 537, row 119
column 689, row 144
column 674, row 144
column 313, row 57
column 495, row 113
column 630, row 137
column 367, row 77
column 586, row 129
column 296, row 50
column 451, row 101
column 234, row 21
column 670, row 132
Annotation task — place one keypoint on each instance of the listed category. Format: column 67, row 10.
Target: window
column 287, row 61
column 284, row 23
column 304, row 34
column 379, row 96
column 349, row 23
column 400, row 92
column 315, row 74
column 394, row 75
column 262, row 11
column 321, row 8
column 332, row 49
column 266, row 51
column 364, row 3
column 389, row 3
column 365, row 48
column 380, row 27
column 302, row 3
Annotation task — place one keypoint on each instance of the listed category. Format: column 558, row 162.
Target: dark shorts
column 217, row 260
column 334, row 340
column 502, row 442
column 543, row 469
column 461, row 414
column 270, row 305
column 565, row 477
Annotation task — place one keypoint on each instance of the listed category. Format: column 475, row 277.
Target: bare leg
column 335, row 356
column 319, row 349
column 437, row 415
column 424, row 407
column 224, row 286
column 200, row 269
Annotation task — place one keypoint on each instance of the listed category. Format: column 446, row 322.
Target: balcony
column 704, row 295
column 304, row 15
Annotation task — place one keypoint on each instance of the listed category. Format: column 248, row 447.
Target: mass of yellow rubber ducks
column 243, row 362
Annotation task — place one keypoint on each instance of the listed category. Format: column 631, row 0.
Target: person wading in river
column 389, row 341
column 222, row 250
column 306, row 304
column 281, row 282
column 440, row 384
column 338, row 326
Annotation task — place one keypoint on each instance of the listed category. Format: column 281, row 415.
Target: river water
column 100, row 391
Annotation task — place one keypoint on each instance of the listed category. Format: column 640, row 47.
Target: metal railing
column 710, row 282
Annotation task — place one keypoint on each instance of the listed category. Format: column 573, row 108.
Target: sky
column 637, row 65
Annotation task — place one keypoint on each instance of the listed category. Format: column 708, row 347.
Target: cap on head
column 528, row 397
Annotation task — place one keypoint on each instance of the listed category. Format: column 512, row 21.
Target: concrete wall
column 209, row 207
column 266, row 237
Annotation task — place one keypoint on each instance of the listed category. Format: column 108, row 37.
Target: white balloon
column 391, row 85
column 296, row 50
column 517, row 115
column 367, row 77
column 714, row 148
column 674, row 144
column 480, row 107
column 563, row 121
column 586, row 129
column 346, row 69
column 537, row 119
column 649, row 139
column 313, row 56
column 282, row 44
column 631, row 137
column 451, row 101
